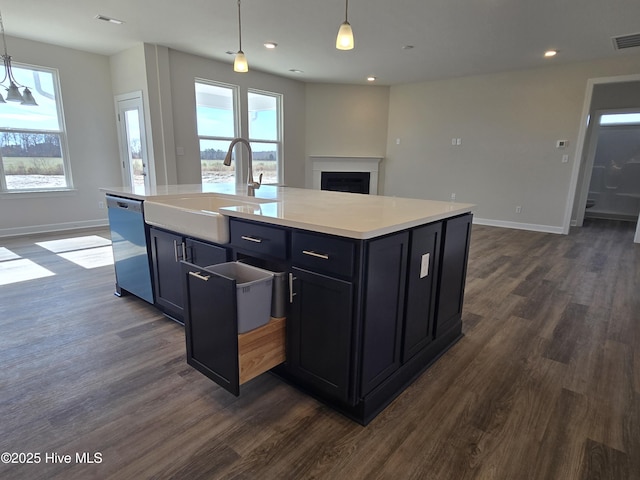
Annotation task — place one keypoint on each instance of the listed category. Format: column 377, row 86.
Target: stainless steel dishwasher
column 129, row 241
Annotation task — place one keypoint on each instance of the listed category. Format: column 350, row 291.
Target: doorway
column 613, row 190
column 604, row 96
column 132, row 141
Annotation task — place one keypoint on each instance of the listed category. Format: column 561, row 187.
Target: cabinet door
column 205, row 254
column 421, row 285
column 383, row 309
column 321, row 332
column 211, row 326
column 167, row 252
column 453, row 270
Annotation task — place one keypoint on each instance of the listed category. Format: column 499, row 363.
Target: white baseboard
column 519, row 226
column 54, row 227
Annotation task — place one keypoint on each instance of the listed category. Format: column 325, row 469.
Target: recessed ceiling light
column 104, row 18
column 229, row 52
column 550, row 53
column 407, row 47
column 270, row 45
column 295, row 70
column 371, row 78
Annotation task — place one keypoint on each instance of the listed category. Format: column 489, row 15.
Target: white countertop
column 346, row 214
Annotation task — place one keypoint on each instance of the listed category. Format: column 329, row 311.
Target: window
column 32, row 138
column 264, row 134
column 217, row 120
column 217, row 117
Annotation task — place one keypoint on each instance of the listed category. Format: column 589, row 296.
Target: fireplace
column 350, row 170
column 354, row 182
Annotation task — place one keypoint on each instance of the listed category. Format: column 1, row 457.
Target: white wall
column 128, row 71
column 346, row 120
column 92, row 138
column 145, row 68
column 509, row 124
column 185, row 68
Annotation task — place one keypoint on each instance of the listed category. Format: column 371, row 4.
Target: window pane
column 32, row 160
column 134, row 142
column 212, row 153
column 265, row 161
column 214, row 111
column 263, row 116
column 620, row 119
column 25, row 117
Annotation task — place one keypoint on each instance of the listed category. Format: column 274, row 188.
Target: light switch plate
column 424, row 265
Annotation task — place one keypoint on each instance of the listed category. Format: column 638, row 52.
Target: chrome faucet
column 251, row 183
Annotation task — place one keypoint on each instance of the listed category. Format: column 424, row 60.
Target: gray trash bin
column 253, row 291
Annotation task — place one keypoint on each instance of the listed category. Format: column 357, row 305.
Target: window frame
column 279, row 130
column 235, row 89
column 62, row 134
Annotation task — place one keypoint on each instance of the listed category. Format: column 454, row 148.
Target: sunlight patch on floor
column 90, row 257
column 13, row 271
column 6, row 254
column 75, row 243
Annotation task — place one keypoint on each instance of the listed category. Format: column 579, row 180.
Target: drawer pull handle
column 199, row 276
column 323, row 256
column 175, row 251
column 251, row 239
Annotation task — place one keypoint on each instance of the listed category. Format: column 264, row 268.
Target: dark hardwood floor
column 545, row 384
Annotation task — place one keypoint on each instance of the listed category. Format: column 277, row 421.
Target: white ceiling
column 451, row 38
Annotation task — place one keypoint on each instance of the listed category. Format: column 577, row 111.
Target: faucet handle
column 253, row 184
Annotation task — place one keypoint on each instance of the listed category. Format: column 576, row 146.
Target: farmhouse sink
column 198, row 216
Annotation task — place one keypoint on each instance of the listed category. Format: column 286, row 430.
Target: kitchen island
column 370, row 288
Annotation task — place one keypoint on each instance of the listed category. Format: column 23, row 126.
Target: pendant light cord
column 346, row 11
column 239, row 26
column 4, row 40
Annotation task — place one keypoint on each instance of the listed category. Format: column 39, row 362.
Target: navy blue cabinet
column 453, row 271
column 320, row 332
column 364, row 318
column 423, row 270
column 384, row 299
column 168, row 249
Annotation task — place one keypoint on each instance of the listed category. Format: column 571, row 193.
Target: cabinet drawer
column 323, row 253
column 262, row 239
column 214, row 347
column 204, row 254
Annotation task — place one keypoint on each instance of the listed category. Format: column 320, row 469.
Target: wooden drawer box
column 261, row 349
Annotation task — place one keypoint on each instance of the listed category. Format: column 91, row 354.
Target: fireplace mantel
column 346, row 164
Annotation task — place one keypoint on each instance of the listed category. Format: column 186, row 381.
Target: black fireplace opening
column 354, row 182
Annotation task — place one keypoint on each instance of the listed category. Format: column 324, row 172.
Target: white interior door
column 133, row 145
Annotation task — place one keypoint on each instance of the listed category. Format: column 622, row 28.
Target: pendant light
column 240, row 63
column 13, row 94
column 344, row 40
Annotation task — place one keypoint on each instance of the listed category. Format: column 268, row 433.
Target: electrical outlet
column 424, row 265
column 518, row 209
column 565, row 158
column 101, row 205
column 453, row 197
